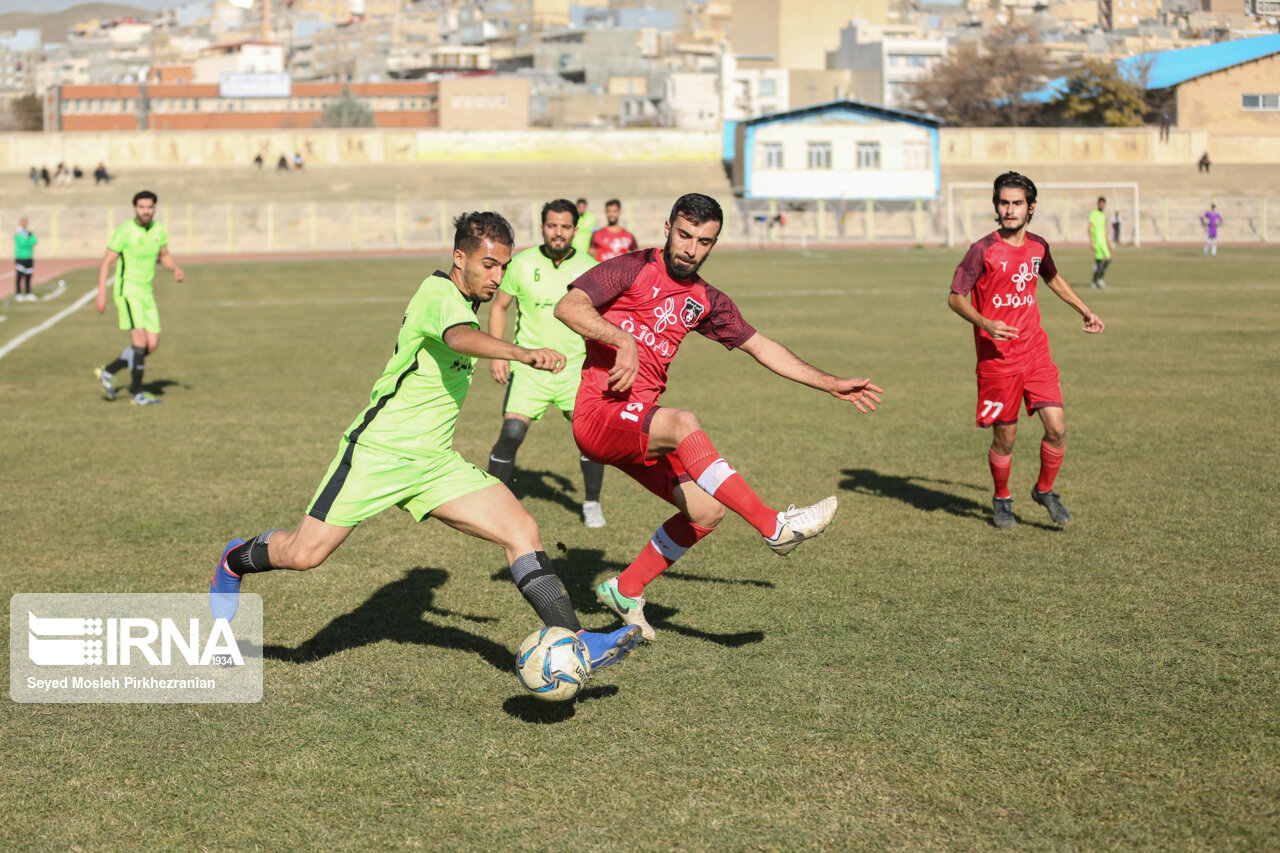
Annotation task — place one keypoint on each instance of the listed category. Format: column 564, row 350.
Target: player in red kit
column 634, row 311
column 612, row 240
column 994, row 288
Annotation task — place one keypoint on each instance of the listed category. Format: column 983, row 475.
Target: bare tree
column 986, row 82
column 25, row 113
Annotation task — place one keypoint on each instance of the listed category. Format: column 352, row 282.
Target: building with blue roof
column 838, row 149
column 1228, row 86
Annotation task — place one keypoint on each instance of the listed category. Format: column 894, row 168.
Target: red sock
column 715, row 477
column 1050, row 462
column 677, row 535
column 1000, row 467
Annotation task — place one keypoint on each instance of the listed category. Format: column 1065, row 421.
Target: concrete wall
column 332, row 147
column 1011, row 147
column 81, row 231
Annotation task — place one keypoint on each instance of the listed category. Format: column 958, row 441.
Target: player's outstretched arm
column 576, row 311
column 104, row 271
column 167, row 261
column 788, row 365
column 1092, row 322
column 499, row 368
column 468, row 341
column 997, row 329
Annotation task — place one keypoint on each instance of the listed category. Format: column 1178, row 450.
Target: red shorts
column 616, row 432
column 1037, row 386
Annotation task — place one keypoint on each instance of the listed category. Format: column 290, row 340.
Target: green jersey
column 24, row 244
column 539, row 283
column 586, row 227
column 139, row 250
column 1098, row 227
column 414, row 405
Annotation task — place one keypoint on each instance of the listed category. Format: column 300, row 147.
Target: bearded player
column 536, row 280
column 612, row 240
column 634, row 311
column 994, row 288
column 399, row 450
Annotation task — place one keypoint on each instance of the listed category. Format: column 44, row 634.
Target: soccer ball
column 553, row 664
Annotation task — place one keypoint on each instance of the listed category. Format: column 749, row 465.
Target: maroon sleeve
column 605, row 282
column 634, row 244
column 1048, row 269
column 724, row 322
column 970, row 269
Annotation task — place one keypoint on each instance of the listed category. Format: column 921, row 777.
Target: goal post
column 1062, row 209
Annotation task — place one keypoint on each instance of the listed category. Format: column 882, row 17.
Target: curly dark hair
column 471, row 228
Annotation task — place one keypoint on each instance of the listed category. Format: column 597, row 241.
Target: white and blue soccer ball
column 553, row 664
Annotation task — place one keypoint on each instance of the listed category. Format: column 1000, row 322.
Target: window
column 1260, row 102
column 915, row 154
column 868, row 155
column 768, row 86
column 819, row 155
column 771, row 155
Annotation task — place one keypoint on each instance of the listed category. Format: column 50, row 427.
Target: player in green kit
column 586, row 227
column 1101, row 243
column 536, row 280
column 138, row 245
column 398, row 451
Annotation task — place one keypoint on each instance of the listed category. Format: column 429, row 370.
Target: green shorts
column 530, row 392
column 137, row 310
column 1101, row 252
column 363, row 481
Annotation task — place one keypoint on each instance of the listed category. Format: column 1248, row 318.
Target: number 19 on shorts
column 632, row 412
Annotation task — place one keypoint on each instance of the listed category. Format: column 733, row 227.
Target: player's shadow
column 914, row 492
column 158, row 386
column 579, row 567
column 547, row 486
column 395, row 612
column 530, row 709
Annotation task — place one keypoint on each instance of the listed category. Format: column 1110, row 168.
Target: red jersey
column 1000, row 280
column 607, row 244
column 635, row 293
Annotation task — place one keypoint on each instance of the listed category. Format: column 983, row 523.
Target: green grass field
column 914, row 679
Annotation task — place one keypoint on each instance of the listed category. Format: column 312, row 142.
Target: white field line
column 47, row 324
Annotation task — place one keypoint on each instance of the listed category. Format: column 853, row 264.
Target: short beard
column 669, row 261
column 551, row 253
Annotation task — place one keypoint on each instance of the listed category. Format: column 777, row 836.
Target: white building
column 750, row 92
column 886, row 61
column 691, row 101
column 841, row 149
column 240, row 58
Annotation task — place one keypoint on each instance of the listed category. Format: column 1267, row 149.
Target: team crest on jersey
column 692, row 312
column 1035, row 266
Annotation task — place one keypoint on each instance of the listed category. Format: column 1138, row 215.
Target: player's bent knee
column 708, row 516
column 513, row 431
column 686, row 424
column 522, row 535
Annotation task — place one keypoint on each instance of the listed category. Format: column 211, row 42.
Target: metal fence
column 288, row 227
